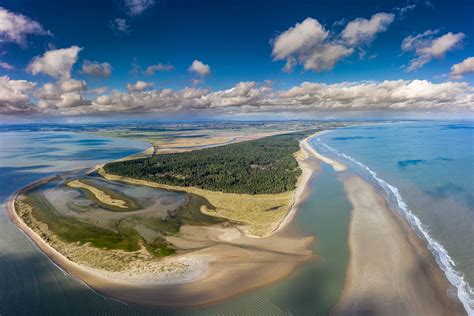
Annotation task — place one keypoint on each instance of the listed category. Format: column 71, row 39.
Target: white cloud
column 14, row 95
column 6, row 66
column 98, row 90
column 407, row 95
column 152, row 69
column 199, row 68
column 426, row 47
column 363, row 31
column 97, row 69
column 67, row 93
column 415, row 95
column 16, row 27
column 300, row 38
column 71, row 85
column 325, row 57
column 405, row 9
column 137, row 7
column 463, row 68
column 309, row 44
column 120, row 25
column 410, row 42
column 67, row 97
column 139, row 86
column 55, row 63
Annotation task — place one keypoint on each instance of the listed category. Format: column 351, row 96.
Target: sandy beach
column 336, row 165
column 214, row 263
column 391, row 271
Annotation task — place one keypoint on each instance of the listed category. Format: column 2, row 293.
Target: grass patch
column 72, row 230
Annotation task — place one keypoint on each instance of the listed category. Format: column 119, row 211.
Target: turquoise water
column 30, row 284
column 427, row 169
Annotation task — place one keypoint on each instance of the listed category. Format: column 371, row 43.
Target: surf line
column 464, row 291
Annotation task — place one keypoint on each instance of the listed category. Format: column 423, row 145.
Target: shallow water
column 30, row 284
column 427, row 168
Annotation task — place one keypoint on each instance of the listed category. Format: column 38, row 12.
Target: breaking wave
column 464, row 291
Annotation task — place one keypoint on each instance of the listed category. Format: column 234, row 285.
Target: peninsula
column 195, row 221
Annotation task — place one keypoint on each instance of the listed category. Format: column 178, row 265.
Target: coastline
column 336, row 165
column 391, row 269
column 220, row 271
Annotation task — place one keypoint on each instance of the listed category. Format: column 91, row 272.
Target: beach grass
column 259, row 213
column 70, row 229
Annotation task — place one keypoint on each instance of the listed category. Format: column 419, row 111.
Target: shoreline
column 408, row 281
column 336, row 165
column 225, row 269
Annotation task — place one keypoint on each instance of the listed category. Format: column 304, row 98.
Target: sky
column 151, row 58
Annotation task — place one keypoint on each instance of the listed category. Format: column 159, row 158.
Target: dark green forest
column 265, row 165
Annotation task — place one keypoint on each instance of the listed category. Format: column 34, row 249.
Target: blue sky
column 235, row 39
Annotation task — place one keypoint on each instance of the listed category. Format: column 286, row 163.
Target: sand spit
column 99, row 194
column 213, row 263
column 391, row 271
column 336, row 165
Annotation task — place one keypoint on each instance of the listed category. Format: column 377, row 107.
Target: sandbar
column 390, row 271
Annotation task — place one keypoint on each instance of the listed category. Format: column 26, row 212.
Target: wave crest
column 465, row 292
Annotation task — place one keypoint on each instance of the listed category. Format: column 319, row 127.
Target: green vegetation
column 124, row 236
column 72, row 230
column 263, row 166
column 188, row 214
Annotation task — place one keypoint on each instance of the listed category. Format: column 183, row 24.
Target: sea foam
column 464, row 291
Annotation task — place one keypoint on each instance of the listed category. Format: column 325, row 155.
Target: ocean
column 30, row 284
column 431, row 164
column 426, row 170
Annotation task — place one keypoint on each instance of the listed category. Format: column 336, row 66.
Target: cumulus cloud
column 363, row 31
column 97, row 69
column 299, row 38
column 426, row 47
column 71, row 85
column 56, row 63
column 392, row 95
column 67, row 97
column 137, row 7
column 64, row 94
column 325, row 57
column 387, row 95
column 14, row 95
column 152, row 69
column 120, row 25
column 139, row 86
column 6, row 66
column 199, row 68
column 98, row 90
column 463, row 68
column 309, row 44
column 16, row 27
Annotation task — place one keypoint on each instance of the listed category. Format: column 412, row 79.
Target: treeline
column 260, row 166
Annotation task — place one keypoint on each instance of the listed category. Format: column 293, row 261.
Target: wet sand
column 336, row 165
column 391, row 271
column 221, row 261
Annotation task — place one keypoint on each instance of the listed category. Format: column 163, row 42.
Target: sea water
column 426, row 170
